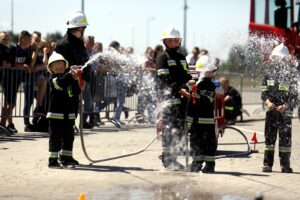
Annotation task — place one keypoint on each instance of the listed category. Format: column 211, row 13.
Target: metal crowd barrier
column 103, row 89
column 23, row 90
column 20, row 87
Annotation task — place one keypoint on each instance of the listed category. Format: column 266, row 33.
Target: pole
column 12, row 16
column 82, row 5
column 133, row 36
column 148, row 30
column 184, row 22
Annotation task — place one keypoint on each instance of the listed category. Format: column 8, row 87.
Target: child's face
column 58, row 67
column 209, row 74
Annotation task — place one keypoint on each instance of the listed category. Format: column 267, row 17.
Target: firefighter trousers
column 203, row 143
column 172, row 130
column 61, row 137
column 278, row 122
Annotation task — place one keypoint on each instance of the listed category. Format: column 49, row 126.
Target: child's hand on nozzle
column 281, row 108
column 74, row 72
column 270, row 105
column 195, row 95
column 191, row 83
column 75, row 67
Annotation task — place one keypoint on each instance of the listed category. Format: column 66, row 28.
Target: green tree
column 53, row 37
column 14, row 38
column 236, row 61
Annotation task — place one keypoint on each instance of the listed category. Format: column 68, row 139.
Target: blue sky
column 214, row 25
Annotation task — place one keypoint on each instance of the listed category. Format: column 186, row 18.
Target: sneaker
column 29, row 128
column 119, row 123
column 195, row 167
column 100, row 123
column 11, row 128
column 208, row 169
column 286, row 170
column 267, row 169
column 53, row 164
column 87, row 125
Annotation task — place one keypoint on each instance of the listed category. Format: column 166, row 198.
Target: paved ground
column 25, row 174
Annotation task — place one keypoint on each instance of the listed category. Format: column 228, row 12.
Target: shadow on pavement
column 105, row 168
column 24, row 136
column 240, row 174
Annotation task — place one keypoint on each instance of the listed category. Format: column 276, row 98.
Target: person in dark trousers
column 203, row 139
column 19, row 72
column 64, row 92
column 279, row 92
column 5, row 64
column 173, row 75
column 233, row 102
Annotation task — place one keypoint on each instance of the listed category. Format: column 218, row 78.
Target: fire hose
column 152, row 139
column 79, row 72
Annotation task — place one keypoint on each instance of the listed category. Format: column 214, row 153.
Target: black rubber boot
column 286, row 170
column 68, row 161
column 267, row 169
column 53, row 164
column 209, row 168
column 196, row 166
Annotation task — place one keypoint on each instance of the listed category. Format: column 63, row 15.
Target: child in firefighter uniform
column 279, row 92
column 203, row 140
column 173, row 76
column 63, row 109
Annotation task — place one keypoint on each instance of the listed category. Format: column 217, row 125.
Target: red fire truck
column 277, row 18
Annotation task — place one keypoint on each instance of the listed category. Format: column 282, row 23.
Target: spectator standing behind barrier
column 65, row 89
column 100, row 72
column 121, row 89
column 193, row 56
column 233, row 102
column 173, row 75
column 20, row 69
column 158, row 50
column 40, row 56
column 203, row 140
column 72, row 48
column 88, row 101
column 29, row 81
column 4, row 65
column 279, row 92
column 146, row 87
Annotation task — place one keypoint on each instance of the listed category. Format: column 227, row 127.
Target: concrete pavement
column 25, row 174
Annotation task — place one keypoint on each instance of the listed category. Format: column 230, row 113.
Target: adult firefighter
column 72, row 48
column 233, row 101
column 173, row 75
column 279, row 92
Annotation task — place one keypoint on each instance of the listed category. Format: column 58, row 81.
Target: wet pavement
column 25, row 175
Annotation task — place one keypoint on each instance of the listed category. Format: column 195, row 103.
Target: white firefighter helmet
column 77, row 19
column 280, row 50
column 56, row 57
column 171, row 32
column 205, row 64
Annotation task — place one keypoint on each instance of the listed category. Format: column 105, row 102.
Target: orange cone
column 255, row 141
column 81, row 196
